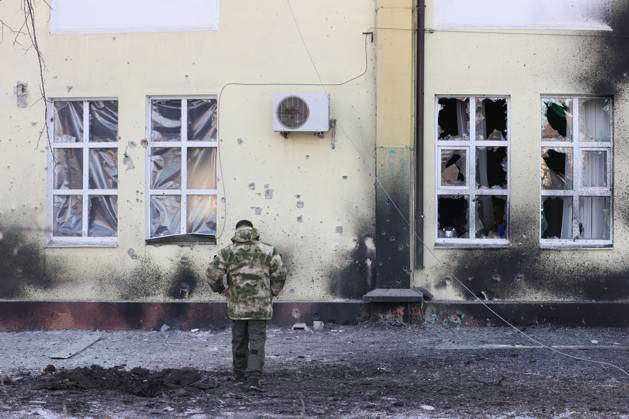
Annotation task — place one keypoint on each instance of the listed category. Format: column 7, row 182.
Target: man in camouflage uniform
column 250, row 273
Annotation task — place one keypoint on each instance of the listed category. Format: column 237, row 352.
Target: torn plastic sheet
column 491, row 217
column 67, row 215
column 68, row 121
column 103, row 121
column 454, row 119
column 68, row 168
column 491, row 119
column 594, row 217
column 103, row 216
column 201, row 214
column 201, row 168
column 165, row 168
column 557, row 119
column 103, row 168
column 165, row 215
column 453, row 167
column 595, row 119
column 491, row 167
column 202, row 121
column 556, row 168
column 557, row 221
column 453, row 216
column 166, row 120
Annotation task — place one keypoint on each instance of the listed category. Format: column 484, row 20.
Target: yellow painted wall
column 256, row 42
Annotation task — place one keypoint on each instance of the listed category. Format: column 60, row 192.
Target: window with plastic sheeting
column 84, row 171
column 182, row 154
column 576, row 171
column 472, row 160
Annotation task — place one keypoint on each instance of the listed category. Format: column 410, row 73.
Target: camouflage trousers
column 248, row 340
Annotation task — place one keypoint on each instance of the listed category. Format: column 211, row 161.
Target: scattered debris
column 300, row 326
column 164, row 328
column 318, row 325
column 427, row 407
column 194, row 330
column 76, row 347
column 6, row 380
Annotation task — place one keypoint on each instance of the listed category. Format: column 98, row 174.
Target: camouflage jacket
column 251, row 272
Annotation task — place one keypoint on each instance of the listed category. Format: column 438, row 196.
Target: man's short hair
column 244, row 223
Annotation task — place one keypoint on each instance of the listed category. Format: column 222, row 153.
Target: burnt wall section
column 393, row 232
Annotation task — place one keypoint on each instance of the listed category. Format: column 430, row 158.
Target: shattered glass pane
column 491, row 167
column 202, row 168
column 202, row 120
column 103, row 168
column 557, row 119
column 453, row 167
column 103, row 121
column 165, row 168
column 68, row 121
column 68, row 164
column 491, row 217
column 166, row 120
column 595, row 119
column 67, row 215
column 201, row 214
column 556, row 168
column 165, row 215
column 594, row 217
column 557, row 217
column 594, row 169
column 103, row 216
column 453, row 216
column 454, row 119
column 491, row 119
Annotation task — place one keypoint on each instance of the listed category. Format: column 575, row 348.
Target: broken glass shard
column 453, row 220
column 202, row 121
column 491, row 119
column 166, row 120
column 453, row 167
column 556, row 168
column 68, row 164
column 165, row 168
column 202, row 168
column 594, row 217
column 165, row 215
column 103, row 121
column 202, row 214
column 67, row 215
column 454, row 119
column 556, row 119
column 491, row 167
column 594, row 169
column 595, row 119
column 103, row 168
column 103, row 216
column 491, row 217
column 557, row 217
column 68, row 121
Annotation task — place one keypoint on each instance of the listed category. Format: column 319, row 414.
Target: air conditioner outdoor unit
column 301, row 112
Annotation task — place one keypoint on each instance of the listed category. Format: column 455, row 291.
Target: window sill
column 502, row 244
column 64, row 243
column 182, row 240
column 573, row 246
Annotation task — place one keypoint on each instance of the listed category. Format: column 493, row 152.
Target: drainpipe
column 419, row 134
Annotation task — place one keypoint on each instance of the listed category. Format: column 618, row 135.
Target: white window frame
column 470, row 190
column 184, row 144
column 85, row 192
column 577, row 190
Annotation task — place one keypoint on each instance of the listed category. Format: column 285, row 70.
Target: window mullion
column 184, row 165
column 85, row 198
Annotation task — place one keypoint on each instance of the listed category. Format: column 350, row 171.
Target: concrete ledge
column 393, row 295
column 564, row 313
column 89, row 315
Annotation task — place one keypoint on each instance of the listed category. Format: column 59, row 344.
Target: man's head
column 244, row 223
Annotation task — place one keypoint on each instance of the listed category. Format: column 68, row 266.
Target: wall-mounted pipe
column 419, row 133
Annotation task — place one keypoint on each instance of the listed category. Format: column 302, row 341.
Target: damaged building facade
column 384, row 147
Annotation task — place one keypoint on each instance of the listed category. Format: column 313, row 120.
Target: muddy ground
column 341, row 371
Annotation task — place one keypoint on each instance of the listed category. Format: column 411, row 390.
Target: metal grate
column 293, row 112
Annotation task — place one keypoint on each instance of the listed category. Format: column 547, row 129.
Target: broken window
column 183, row 154
column 84, row 174
column 454, row 118
column 576, row 172
column 473, row 147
